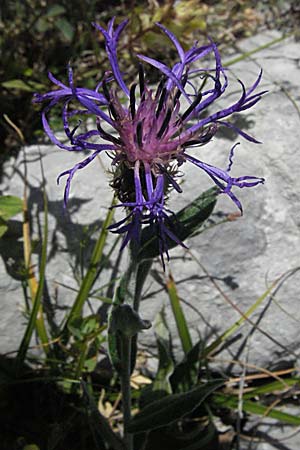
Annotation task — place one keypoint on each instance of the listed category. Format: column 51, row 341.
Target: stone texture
column 243, row 256
column 271, row 435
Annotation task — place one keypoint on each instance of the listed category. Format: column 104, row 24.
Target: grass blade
column 181, row 323
column 255, row 408
column 36, row 288
column 269, row 388
column 214, row 345
column 257, row 49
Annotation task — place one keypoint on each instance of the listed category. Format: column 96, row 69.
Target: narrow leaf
column 3, row 227
column 165, row 360
column 66, row 28
column 55, row 10
column 185, row 223
column 19, row 85
column 182, row 327
column 113, row 339
column 255, row 408
column 10, row 206
column 214, row 345
column 171, row 408
column 270, row 388
column 186, row 373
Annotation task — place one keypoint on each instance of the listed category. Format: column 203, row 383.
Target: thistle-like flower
column 150, row 136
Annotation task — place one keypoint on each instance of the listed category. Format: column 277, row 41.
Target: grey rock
column 269, row 434
column 243, row 257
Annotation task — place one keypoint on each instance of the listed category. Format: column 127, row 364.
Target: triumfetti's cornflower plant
column 153, row 133
column 149, row 132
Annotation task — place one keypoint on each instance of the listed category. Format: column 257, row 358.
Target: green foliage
column 186, row 372
column 9, row 207
column 19, row 85
column 120, row 294
column 165, row 369
column 256, row 408
column 88, row 337
column 187, row 221
column 85, row 328
column 182, row 326
column 31, row 447
column 170, row 409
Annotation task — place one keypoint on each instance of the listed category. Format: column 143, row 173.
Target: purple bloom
column 150, row 136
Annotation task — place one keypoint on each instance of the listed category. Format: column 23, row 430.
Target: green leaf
column 90, row 324
column 171, row 408
column 181, row 324
column 185, row 375
column 66, row 28
column 28, row 86
column 120, row 294
column 19, row 85
column 161, row 385
column 36, row 86
column 42, row 25
column 269, row 388
column 3, row 227
column 165, row 360
column 9, row 207
column 255, row 408
column 90, row 364
column 28, row 72
column 74, row 328
column 55, row 10
column 186, row 222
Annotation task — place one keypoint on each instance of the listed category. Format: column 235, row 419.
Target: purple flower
column 151, row 135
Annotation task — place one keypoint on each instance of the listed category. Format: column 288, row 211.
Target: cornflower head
column 151, row 135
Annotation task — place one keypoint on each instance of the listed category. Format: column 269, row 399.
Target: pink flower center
column 147, row 134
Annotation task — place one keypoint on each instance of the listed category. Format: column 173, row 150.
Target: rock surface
column 243, row 257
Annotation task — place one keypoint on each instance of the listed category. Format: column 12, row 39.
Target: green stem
column 141, row 276
column 81, row 361
column 125, row 388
